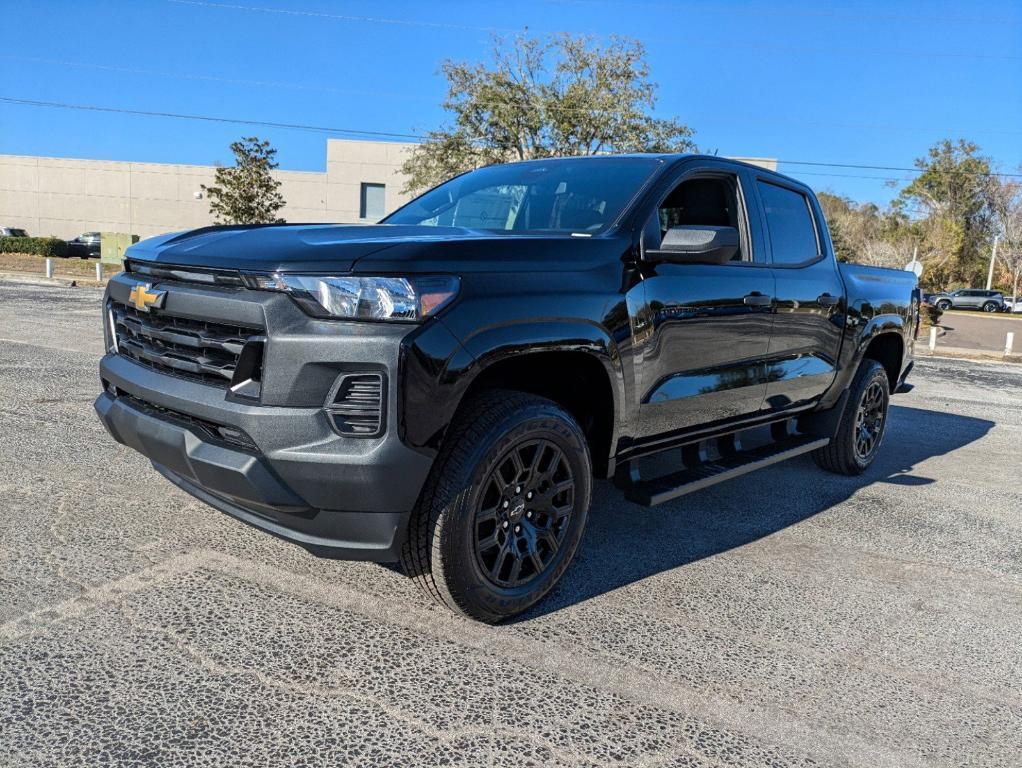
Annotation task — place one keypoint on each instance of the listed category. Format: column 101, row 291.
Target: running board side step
column 657, row 490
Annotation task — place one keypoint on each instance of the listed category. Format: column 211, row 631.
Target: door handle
column 758, row 300
column 826, row 300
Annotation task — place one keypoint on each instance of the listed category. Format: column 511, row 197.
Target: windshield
column 578, row 195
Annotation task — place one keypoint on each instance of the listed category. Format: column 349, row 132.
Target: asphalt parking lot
column 980, row 330
column 789, row 618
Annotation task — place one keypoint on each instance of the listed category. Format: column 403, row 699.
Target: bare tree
column 877, row 252
column 1006, row 203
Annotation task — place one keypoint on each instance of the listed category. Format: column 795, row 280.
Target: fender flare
column 496, row 344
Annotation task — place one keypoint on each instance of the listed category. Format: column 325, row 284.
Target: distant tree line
column 950, row 214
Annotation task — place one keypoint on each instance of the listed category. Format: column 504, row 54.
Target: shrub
column 38, row 246
column 932, row 314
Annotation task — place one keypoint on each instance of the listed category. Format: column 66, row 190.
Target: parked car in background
column 12, row 232
column 85, row 246
column 1012, row 304
column 967, row 298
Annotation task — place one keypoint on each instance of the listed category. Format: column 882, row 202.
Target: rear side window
column 790, row 223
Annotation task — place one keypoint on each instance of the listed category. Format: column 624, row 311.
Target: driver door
column 704, row 329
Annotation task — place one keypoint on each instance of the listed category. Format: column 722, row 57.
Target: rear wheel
column 504, row 508
column 943, row 305
column 863, row 423
column 990, row 306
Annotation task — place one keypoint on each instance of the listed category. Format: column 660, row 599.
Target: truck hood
column 359, row 248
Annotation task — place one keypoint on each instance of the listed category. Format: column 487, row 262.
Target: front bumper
column 364, row 500
column 295, row 476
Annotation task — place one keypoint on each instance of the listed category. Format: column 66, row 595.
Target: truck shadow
column 625, row 542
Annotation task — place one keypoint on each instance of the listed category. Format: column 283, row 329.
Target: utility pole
column 993, row 258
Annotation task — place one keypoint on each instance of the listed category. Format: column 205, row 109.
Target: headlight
column 363, row 298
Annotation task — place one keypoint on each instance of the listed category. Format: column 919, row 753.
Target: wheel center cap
column 517, row 509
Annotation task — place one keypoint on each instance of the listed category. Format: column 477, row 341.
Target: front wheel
column 863, row 423
column 990, row 306
column 504, row 507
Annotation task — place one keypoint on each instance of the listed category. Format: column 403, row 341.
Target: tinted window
column 790, row 224
column 701, row 202
column 583, row 195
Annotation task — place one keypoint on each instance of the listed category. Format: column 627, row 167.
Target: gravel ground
column 789, row 618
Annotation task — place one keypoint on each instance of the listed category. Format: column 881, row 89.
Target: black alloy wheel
column 504, row 507
column 869, row 421
column 863, row 421
column 524, row 512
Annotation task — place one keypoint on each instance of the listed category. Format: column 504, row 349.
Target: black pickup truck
column 442, row 388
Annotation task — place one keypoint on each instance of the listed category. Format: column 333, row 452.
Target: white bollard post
column 49, row 267
column 933, row 338
column 1009, row 342
column 99, row 271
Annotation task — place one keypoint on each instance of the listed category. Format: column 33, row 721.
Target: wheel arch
column 574, row 364
column 887, row 347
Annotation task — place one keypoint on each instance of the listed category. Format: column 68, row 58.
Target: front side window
column 701, row 202
column 790, row 224
column 578, row 195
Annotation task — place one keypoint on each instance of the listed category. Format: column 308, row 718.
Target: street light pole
column 993, row 258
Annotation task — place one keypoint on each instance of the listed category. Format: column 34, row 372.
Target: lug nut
column 518, row 489
column 504, row 525
column 528, row 495
column 529, row 514
column 518, row 529
column 506, row 503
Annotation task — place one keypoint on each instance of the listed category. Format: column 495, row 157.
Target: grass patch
column 36, row 265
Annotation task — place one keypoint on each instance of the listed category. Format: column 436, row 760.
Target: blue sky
column 868, row 83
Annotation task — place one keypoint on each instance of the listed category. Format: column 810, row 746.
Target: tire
column 846, row 454
column 943, row 305
column 990, row 306
column 462, row 506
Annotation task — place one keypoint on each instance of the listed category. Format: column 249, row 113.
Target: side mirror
column 696, row 244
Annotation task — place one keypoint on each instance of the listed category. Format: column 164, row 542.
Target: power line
column 344, row 16
column 804, row 12
column 211, row 119
column 695, row 42
column 851, row 175
column 215, row 78
column 892, row 168
column 709, row 117
column 388, row 134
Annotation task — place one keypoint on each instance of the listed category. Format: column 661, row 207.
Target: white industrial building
column 65, row 197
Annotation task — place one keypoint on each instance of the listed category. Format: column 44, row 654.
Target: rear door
column 809, row 296
column 701, row 330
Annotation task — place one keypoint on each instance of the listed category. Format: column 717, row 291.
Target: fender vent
column 357, row 407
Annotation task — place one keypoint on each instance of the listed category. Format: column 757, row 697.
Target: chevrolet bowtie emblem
column 143, row 298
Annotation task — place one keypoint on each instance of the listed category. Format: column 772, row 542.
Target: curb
column 37, row 279
column 963, row 353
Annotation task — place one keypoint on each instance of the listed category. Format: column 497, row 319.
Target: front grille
column 193, row 349
column 356, row 408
